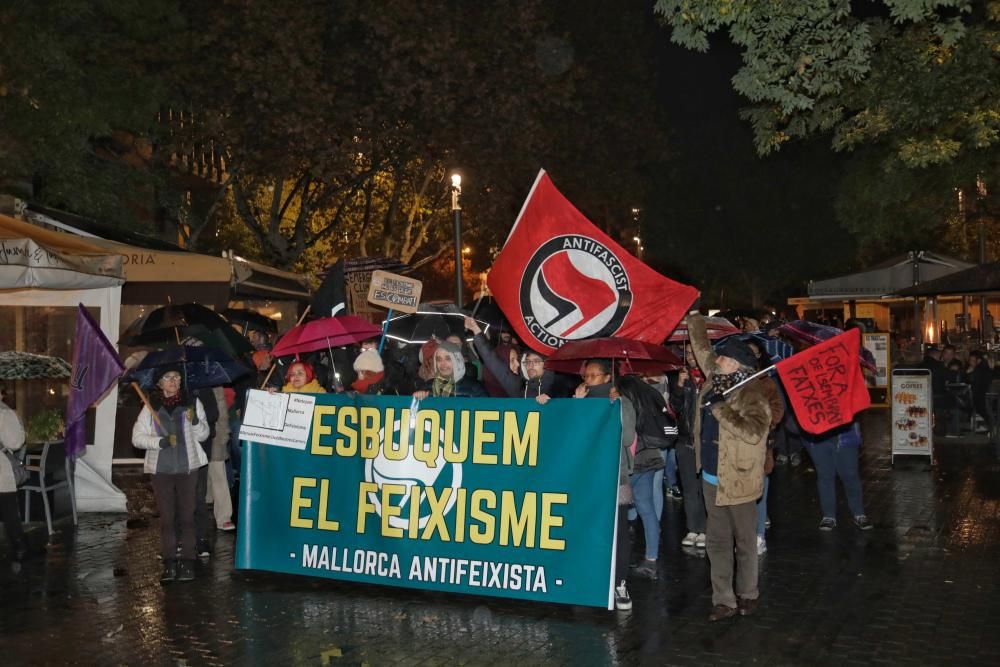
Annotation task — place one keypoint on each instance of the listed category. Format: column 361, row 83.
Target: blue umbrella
column 202, row 367
column 777, row 349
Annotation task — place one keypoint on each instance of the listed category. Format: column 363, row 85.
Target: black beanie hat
column 738, row 350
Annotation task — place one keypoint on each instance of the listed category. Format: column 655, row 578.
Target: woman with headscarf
column 449, row 379
column 301, row 378
column 170, row 429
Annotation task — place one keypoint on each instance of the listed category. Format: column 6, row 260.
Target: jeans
column 643, row 491
column 731, row 528
column 670, row 459
column 762, row 508
column 694, row 501
column 832, row 461
column 175, row 498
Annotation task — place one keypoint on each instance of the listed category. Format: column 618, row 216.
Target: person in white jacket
column 171, row 437
column 12, row 438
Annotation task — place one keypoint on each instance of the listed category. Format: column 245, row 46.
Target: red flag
column 559, row 278
column 824, row 383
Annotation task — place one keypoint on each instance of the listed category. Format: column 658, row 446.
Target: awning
column 977, row 280
column 885, row 279
column 258, row 281
column 33, row 257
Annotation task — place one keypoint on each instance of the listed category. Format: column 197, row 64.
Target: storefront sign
column 912, row 413
column 505, row 498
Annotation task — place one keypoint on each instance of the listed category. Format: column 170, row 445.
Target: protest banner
column 394, row 292
column 824, row 383
column 505, row 498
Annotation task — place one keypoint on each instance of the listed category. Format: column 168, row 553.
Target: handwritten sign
column 394, row 292
column 824, row 384
column 278, row 419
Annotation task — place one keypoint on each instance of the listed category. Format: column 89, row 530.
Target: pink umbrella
column 635, row 356
column 718, row 327
column 325, row 333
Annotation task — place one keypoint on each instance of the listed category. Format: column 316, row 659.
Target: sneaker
column 647, row 570
column 622, row 600
column 795, row 459
column 228, row 526
column 781, row 459
column 674, row 493
column 203, row 549
column 169, row 571
column 689, row 540
column 185, row 570
column 828, row 523
column 863, row 522
column 761, row 545
column 700, row 541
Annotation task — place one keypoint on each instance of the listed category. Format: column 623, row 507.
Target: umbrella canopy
column 27, row 366
column 164, row 326
column 636, row 356
column 201, row 366
column 251, row 320
column 810, row 333
column 431, row 321
column 325, row 332
column 777, row 349
column 487, row 310
column 718, row 327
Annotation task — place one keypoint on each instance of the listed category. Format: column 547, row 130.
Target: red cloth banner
column 559, row 278
column 824, row 383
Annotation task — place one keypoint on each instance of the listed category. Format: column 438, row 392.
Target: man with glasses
column 532, row 382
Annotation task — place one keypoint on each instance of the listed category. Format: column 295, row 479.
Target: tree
column 911, row 85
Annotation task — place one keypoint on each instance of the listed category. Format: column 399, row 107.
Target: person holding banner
column 301, row 378
column 449, row 379
column 597, row 384
column 730, row 436
column 170, row 428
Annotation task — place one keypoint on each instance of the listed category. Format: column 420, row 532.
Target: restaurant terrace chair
column 44, row 476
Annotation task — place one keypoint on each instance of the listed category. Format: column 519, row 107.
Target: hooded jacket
column 465, row 387
column 514, row 386
column 744, row 422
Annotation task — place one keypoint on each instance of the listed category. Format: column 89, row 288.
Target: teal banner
column 506, row 497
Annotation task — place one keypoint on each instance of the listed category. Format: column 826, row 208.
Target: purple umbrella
column 811, row 333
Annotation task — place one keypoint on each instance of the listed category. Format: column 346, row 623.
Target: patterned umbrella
column 201, row 366
column 810, row 333
column 718, row 327
column 27, row 366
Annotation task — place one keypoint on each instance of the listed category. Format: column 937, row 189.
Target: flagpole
column 145, row 401
column 752, row 377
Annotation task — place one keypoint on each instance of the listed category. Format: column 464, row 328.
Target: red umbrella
column 324, row 333
column 718, row 327
column 636, row 356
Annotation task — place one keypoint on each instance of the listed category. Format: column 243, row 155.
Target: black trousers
column 623, row 547
column 175, row 499
column 11, row 518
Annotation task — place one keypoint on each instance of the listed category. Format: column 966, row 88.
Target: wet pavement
column 919, row 589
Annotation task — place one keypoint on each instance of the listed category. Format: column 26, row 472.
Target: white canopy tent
column 885, row 279
column 44, row 268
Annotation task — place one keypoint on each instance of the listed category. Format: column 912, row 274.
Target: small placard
column 278, row 419
column 394, row 291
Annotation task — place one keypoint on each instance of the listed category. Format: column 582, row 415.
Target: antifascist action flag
column 824, row 383
column 96, row 366
column 559, row 278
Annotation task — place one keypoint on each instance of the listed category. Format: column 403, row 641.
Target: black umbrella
column 487, row 310
column 430, row 321
column 138, row 334
column 202, row 367
column 251, row 320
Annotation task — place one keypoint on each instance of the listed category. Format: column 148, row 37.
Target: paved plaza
column 919, row 589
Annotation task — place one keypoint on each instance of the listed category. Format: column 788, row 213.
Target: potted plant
column 45, row 426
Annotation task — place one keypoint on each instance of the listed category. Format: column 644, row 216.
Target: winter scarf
column 311, row 387
column 361, row 386
column 443, row 387
column 722, row 383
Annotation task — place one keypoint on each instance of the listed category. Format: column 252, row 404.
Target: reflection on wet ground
column 919, row 589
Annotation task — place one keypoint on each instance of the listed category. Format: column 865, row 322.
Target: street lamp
column 456, row 207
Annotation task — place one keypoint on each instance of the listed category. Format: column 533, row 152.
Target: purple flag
column 96, row 366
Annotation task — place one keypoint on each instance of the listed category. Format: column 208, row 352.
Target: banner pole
column 145, row 401
column 385, row 329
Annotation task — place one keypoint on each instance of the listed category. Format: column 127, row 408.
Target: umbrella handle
column 268, row 376
column 145, row 401
column 385, row 329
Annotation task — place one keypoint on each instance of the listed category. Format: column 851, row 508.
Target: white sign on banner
column 278, row 419
column 912, row 413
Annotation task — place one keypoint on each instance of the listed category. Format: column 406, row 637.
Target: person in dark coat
column 528, row 379
column 371, row 377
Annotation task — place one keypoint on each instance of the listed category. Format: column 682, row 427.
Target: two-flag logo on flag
column 559, row 278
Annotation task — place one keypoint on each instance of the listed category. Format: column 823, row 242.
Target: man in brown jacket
column 730, row 438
